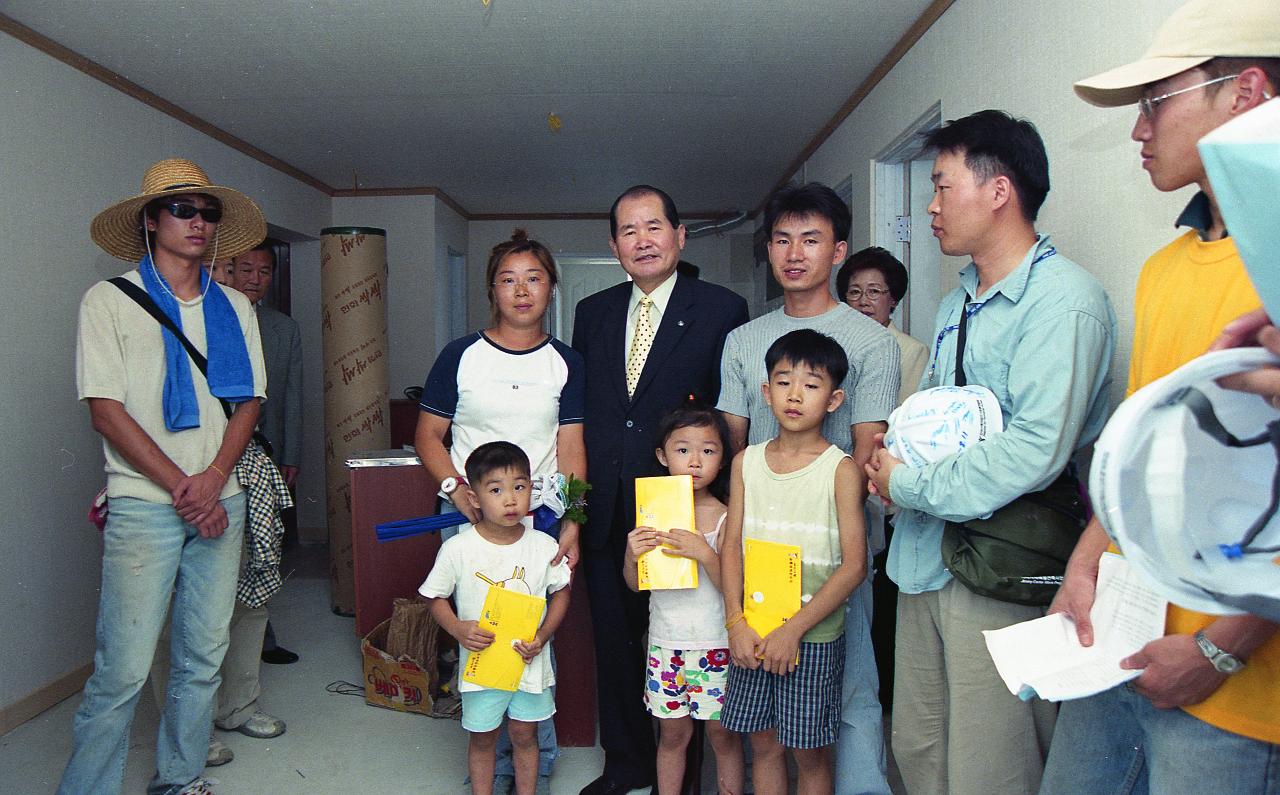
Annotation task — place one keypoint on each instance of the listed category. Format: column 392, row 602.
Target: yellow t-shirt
column 1187, row 292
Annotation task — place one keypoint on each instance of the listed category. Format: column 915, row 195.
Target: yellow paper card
column 509, row 615
column 665, row 504
column 770, row 584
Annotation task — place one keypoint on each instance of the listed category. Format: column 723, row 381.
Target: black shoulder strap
column 145, row 301
column 961, row 380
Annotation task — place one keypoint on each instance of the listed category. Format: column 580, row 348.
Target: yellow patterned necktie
column 641, row 341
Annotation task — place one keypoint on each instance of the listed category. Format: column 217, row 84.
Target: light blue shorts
column 482, row 710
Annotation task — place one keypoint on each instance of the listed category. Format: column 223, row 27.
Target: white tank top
column 690, row 618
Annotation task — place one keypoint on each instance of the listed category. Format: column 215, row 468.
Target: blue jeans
column 548, row 746
column 860, row 755
column 1117, row 742
column 148, row 554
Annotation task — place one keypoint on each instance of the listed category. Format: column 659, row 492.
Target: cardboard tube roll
column 353, row 279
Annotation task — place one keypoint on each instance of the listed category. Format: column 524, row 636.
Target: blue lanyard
column 971, row 309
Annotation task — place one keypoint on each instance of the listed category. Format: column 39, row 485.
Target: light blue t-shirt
column 1041, row 339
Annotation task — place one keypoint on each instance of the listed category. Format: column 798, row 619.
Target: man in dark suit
column 649, row 344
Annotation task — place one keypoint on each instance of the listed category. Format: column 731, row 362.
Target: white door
column 900, row 198
column 580, row 276
column 928, row 282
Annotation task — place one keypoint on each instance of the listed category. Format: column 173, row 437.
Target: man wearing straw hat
column 171, row 436
column 1205, row 712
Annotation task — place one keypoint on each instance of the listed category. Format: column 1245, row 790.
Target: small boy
column 802, row 490
column 499, row 550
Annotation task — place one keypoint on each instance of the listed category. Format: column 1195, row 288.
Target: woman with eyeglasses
column 509, row 382
column 873, row 281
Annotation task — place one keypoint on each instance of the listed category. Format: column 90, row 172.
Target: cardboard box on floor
column 400, row 660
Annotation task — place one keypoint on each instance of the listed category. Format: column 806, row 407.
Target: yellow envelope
column 665, row 503
column 509, row 615
column 770, row 584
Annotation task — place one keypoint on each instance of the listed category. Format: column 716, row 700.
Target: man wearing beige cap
column 1205, row 712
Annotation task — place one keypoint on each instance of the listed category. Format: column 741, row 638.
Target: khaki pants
column 957, row 730
column 241, row 684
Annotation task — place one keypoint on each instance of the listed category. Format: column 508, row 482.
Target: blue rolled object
column 407, row 528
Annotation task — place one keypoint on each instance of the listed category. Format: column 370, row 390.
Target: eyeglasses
column 874, row 293
column 529, row 282
column 1147, row 105
column 182, row 211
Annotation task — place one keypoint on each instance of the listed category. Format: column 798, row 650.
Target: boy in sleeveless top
column 798, row 489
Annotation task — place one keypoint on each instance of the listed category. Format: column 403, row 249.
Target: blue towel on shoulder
column 230, row 374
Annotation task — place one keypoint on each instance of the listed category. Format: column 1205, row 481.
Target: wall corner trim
column 31, row 705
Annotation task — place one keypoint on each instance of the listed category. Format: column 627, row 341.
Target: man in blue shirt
column 1040, row 335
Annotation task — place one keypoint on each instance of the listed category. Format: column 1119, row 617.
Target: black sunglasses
column 182, row 211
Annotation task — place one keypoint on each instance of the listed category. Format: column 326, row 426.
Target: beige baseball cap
column 1197, row 32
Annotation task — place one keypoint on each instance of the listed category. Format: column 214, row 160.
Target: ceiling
column 710, row 100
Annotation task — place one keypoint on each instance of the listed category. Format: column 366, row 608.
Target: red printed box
column 390, row 683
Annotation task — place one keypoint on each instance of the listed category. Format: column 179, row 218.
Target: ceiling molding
column 914, row 33
column 424, row 190
column 540, row 217
column 99, row 72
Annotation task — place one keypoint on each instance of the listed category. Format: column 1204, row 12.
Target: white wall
column 69, row 146
column 451, row 233
column 1022, row 57
column 591, row 237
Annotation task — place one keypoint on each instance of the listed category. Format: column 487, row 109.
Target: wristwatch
column 450, row 485
column 1226, row 662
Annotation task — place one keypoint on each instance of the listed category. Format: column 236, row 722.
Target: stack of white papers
column 1044, row 658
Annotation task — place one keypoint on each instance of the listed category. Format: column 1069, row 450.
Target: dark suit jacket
column 281, row 418
column 684, row 360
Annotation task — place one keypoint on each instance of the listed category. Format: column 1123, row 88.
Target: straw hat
column 118, row 229
column 1196, row 33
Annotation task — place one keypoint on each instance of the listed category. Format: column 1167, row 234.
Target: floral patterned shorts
column 681, row 682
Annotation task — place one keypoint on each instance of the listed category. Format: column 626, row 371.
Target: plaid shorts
column 804, row 705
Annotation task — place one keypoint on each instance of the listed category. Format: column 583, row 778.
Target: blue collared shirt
column 1042, row 342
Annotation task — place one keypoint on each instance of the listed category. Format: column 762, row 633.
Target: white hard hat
column 937, row 422
column 1185, row 479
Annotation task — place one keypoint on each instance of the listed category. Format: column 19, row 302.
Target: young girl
column 688, row 659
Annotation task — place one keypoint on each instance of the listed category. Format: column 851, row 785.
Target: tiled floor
column 334, row 743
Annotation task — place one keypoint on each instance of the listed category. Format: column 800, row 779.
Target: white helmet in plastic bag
column 1185, row 479
column 937, row 422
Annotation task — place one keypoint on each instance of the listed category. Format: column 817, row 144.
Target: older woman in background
column 873, row 281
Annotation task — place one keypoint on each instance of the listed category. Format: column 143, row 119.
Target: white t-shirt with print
column 468, row 564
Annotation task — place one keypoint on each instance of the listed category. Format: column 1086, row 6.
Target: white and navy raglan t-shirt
column 494, row 394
